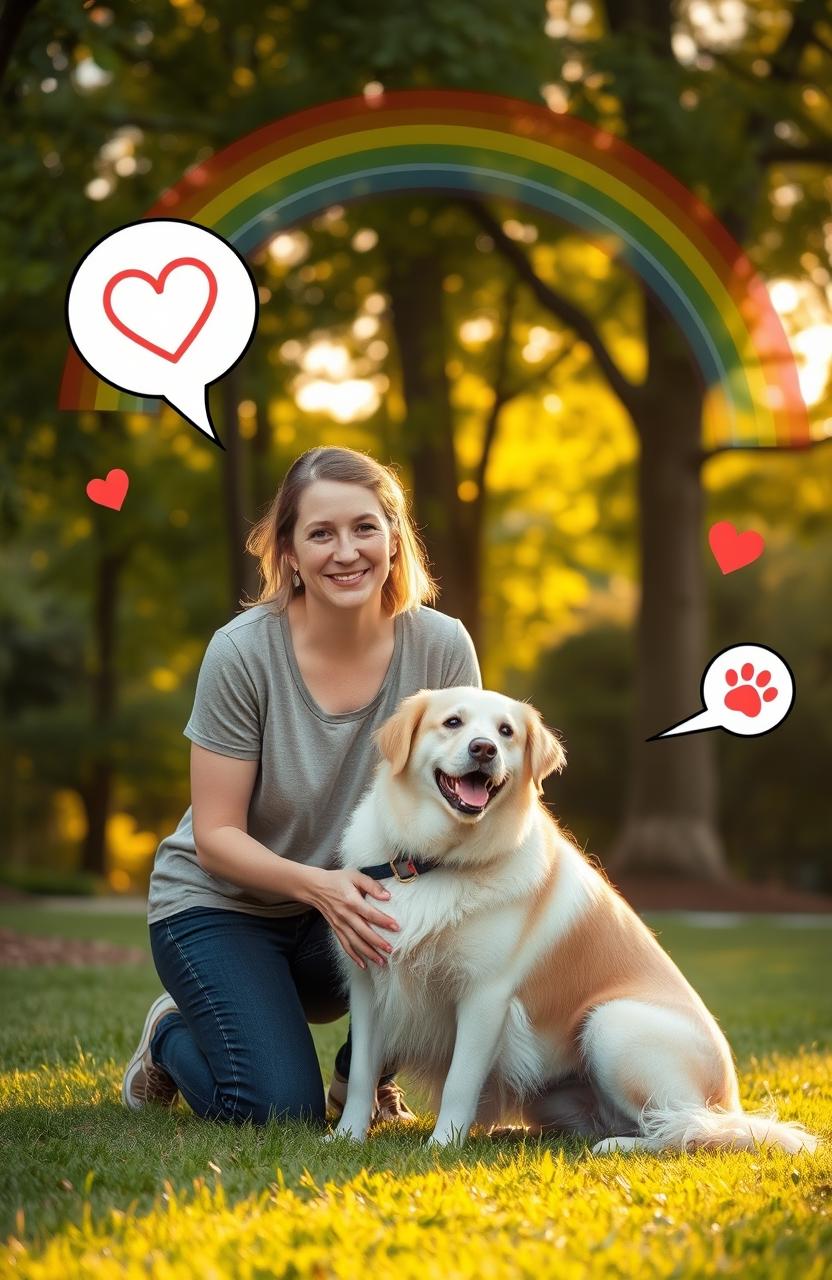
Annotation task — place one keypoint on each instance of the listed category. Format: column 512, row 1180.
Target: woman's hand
column 339, row 895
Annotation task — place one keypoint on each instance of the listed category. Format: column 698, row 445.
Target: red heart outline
column 733, row 550
column 158, row 285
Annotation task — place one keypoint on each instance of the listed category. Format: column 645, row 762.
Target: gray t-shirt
column 251, row 703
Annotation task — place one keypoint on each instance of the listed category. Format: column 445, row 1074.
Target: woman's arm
column 221, row 788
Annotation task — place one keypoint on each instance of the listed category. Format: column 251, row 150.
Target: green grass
column 90, row 1190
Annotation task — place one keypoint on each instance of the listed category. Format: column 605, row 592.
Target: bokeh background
column 415, row 328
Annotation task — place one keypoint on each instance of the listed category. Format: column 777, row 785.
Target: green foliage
column 48, row 880
column 40, row 647
column 584, row 689
column 177, row 82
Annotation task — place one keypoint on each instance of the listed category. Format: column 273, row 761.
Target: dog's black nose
column 482, row 749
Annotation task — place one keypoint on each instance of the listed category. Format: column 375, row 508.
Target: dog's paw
column 451, row 1137
column 345, row 1131
column 608, row 1145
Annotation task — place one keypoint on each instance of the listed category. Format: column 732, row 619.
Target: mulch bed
column 21, row 951
column 661, row 893
column 645, row 893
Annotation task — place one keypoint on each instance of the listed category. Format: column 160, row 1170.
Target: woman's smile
column 347, row 580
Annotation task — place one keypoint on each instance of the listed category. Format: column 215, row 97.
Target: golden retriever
column 522, row 987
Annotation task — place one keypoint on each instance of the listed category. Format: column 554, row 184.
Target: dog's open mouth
column 469, row 793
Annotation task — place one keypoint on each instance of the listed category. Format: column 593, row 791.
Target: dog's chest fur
column 452, row 931
column 454, row 934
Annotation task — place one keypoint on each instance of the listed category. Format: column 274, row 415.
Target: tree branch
column 491, row 421
column 783, row 77
column 505, row 341
column 12, row 18
column 812, row 153
column 819, row 42
column 627, row 392
column 705, row 455
column 786, row 61
column 539, row 375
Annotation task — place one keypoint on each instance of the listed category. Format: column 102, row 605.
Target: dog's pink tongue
column 472, row 791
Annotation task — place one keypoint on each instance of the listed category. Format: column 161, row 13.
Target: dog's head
column 469, row 747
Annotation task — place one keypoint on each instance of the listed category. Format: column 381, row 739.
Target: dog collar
column 385, row 870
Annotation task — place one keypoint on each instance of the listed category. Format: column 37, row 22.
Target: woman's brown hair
column 409, row 582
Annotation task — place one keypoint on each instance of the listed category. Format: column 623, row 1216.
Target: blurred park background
column 538, row 404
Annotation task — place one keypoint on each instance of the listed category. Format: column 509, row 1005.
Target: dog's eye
column 506, row 730
column 453, row 722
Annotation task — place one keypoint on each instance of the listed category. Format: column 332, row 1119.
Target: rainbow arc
column 450, row 141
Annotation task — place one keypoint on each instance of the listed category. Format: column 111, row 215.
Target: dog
column 522, row 988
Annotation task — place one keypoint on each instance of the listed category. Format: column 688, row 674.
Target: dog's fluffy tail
column 688, row 1129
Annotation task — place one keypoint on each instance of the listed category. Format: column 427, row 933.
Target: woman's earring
column 296, row 579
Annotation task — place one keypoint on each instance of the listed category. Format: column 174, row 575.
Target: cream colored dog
column 522, row 987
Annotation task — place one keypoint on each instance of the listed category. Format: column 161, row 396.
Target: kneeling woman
column 245, row 894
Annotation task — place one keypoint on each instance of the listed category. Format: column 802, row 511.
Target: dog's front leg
column 365, row 1061
column 481, row 1016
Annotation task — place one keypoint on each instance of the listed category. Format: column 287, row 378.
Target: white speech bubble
column 747, row 689
column 162, row 308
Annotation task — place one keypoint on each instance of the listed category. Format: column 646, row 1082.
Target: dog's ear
column 395, row 737
column 544, row 749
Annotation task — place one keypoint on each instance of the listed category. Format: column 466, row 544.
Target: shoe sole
column 335, row 1109
column 135, row 1061
column 334, row 1103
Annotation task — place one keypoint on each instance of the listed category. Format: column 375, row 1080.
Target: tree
column 173, row 83
column 671, row 812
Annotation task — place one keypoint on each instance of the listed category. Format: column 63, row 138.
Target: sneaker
column 143, row 1081
column 336, row 1097
column 390, row 1103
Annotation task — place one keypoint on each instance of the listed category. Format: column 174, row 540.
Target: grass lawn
column 88, row 1189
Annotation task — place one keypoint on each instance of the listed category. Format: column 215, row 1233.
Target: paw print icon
column 746, row 690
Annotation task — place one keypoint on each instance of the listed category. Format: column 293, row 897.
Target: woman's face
column 342, row 544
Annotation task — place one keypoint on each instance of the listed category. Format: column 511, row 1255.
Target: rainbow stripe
column 430, row 140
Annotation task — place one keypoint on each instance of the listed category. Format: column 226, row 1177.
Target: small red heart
column 110, row 492
column 734, row 550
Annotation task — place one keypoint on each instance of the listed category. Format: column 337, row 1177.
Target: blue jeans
column 246, row 988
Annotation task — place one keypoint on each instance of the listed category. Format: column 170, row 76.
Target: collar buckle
column 410, row 866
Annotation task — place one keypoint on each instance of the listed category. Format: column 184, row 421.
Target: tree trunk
column 262, row 487
column 12, row 18
column 97, row 790
column 670, row 824
column 415, row 285
column 13, row 849
column 242, row 570
column 96, row 796
column 470, row 553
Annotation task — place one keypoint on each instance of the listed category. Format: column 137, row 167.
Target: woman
column 245, row 893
